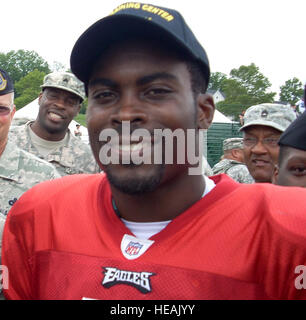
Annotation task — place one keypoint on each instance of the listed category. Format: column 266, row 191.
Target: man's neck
column 165, row 203
column 44, row 134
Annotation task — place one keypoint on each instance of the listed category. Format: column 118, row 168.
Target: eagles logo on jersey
column 139, row 280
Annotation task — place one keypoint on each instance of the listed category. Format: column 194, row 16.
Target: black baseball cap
column 295, row 135
column 133, row 18
column 6, row 84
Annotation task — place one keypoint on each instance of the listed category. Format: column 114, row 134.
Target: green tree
column 58, row 67
column 291, row 91
column 245, row 87
column 19, row 63
column 216, row 81
column 28, row 88
column 254, row 83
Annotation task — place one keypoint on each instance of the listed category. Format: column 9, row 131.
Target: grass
column 81, row 119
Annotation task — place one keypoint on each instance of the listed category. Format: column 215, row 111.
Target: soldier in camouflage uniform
column 19, row 170
column 48, row 137
column 263, row 125
column 232, row 162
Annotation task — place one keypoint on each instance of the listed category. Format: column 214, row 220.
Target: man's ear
column 275, row 174
column 13, row 112
column 39, row 97
column 206, row 110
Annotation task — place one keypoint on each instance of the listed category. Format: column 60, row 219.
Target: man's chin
column 262, row 177
column 134, row 184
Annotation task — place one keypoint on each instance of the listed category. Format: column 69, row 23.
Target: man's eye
column 104, row 95
column 271, row 141
column 298, row 170
column 157, row 92
column 249, row 141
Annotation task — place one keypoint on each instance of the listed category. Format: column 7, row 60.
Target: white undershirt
column 45, row 146
column 145, row 230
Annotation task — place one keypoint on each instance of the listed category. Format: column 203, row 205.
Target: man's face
column 57, row 109
column 261, row 151
column 152, row 90
column 7, row 111
column 292, row 170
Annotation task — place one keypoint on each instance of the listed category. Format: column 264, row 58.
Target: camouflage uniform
column 277, row 116
column 19, row 171
column 235, row 169
column 72, row 158
column 75, row 156
column 65, row 81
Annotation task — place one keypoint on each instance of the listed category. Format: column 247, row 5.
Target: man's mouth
column 55, row 116
column 133, row 146
column 128, row 152
column 260, row 162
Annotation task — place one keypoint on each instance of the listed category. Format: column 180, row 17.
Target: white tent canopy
column 220, row 117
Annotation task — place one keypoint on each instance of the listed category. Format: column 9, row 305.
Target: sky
column 269, row 33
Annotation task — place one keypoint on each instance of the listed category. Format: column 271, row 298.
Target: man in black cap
column 291, row 168
column 151, row 229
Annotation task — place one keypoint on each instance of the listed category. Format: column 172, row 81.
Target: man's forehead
column 61, row 91
column 149, row 48
column 296, row 154
column 6, row 99
column 259, row 129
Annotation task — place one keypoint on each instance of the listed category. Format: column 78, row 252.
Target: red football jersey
column 63, row 240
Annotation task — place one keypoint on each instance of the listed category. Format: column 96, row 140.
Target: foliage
column 249, row 86
column 291, row 91
column 58, row 67
column 81, row 119
column 231, row 110
column 216, row 81
column 84, row 106
column 28, row 88
column 19, row 63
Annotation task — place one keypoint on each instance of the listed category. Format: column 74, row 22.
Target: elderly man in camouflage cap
column 232, row 161
column 263, row 125
column 48, row 136
column 19, row 170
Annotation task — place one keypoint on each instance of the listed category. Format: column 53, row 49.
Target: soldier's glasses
column 269, row 142
column 4, row 111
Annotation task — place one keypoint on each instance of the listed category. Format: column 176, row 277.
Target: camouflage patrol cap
column 232, row 143
column 6, row 84
column 277, row 116
column 65, row 81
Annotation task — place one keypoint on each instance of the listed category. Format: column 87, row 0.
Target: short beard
column 136, row 186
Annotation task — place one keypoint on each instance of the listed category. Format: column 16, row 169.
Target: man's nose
column 130, row 109
column 259, row 148
column 60, row 101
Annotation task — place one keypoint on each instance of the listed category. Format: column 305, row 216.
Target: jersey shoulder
column 57, row 190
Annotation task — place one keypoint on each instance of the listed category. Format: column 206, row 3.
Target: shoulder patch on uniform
column 3, row 82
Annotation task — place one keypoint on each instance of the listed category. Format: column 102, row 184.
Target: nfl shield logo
column 133, row 248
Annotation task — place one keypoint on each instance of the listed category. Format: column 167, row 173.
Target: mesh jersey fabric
column 62, row 240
